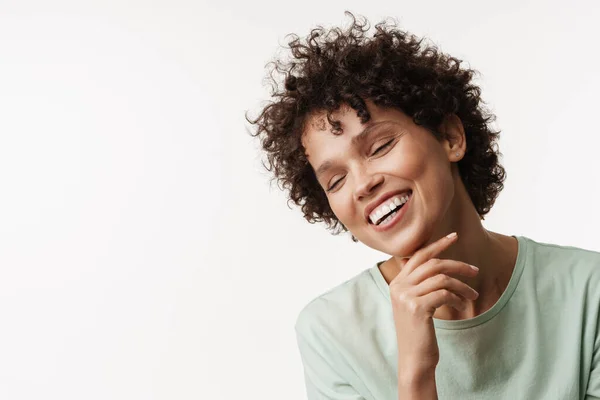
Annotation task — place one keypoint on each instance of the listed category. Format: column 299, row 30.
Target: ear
column 454, row 137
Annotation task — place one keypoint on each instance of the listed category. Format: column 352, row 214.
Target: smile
column 391, row 213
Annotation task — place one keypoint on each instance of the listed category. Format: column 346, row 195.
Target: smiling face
column 391, row 156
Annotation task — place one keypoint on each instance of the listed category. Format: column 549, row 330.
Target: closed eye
column 335, row 184
column 383, row 147
column 375, row 152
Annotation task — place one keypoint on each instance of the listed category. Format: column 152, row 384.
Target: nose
column 366, row 182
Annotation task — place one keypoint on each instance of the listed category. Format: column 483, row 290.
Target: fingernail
column 452, row 235
column 474, row 267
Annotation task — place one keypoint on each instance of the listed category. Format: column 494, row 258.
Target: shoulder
column 551, row 253
column 575, row 264
column 337, row 307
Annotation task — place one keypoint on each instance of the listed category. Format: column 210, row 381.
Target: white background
column 143, row 254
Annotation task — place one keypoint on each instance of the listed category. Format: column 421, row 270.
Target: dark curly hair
column 392, row 69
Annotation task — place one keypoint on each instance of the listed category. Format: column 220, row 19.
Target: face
column 392, row 156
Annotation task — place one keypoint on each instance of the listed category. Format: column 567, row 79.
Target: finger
column 442, row 281
column 441, row 266
column 431, row 301
column 424, row 254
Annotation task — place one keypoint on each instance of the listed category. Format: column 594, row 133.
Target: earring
column 457, row 154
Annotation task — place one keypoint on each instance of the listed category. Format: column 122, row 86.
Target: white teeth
column 389, row 217
column 386, row 208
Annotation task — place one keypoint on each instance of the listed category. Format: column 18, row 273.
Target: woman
column 388, row 139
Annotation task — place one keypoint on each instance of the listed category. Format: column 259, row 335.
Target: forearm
column 419, row 386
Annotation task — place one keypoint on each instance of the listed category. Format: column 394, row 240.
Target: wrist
column 416, row 368
column 413, row 377
column 417, row 385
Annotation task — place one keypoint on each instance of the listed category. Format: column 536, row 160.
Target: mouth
column 390, row 219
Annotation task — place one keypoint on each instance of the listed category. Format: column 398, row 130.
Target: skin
column 440, row 204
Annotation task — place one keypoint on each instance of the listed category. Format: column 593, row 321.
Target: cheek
column 437, row 186
column 344, row 210
column 406, row 164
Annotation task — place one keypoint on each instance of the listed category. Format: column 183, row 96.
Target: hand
column 416, row 292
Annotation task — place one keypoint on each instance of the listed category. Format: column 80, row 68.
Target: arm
column 592, row 391
column 419, row 386
column 416, row 292
column 593, row 386
column 322, row 377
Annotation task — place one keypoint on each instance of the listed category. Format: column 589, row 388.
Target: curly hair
column 392, row 69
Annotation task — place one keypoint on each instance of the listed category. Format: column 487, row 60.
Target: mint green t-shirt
column 539, row 341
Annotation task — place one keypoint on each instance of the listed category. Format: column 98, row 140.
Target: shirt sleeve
column 593, row 387
column 322, row 377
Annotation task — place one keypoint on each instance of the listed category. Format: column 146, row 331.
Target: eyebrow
column 356, row 140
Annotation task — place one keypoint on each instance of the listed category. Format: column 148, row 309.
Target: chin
column 384, row 247
column 402, row 245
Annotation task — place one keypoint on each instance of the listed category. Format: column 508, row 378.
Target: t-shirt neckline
column 522, row 253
